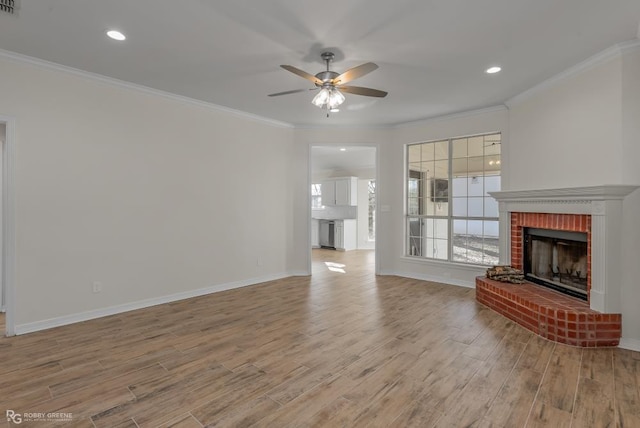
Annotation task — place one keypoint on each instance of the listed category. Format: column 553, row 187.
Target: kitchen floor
column 341, row 348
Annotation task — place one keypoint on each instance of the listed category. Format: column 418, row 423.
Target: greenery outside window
column 449, row 214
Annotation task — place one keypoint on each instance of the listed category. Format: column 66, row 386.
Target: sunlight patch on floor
column 336, row 267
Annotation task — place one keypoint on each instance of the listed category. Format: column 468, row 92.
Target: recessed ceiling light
column 493, row 70
column 342, row 149
column 116, row 35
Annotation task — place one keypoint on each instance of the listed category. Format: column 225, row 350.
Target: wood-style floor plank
column 338, row 349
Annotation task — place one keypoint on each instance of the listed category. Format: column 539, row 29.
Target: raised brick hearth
column 550, row 314
column 595, row 211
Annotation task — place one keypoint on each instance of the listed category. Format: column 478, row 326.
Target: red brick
column 545, row 313
column 608, row 335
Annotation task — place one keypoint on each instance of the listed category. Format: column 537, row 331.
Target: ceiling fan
column 331, row 84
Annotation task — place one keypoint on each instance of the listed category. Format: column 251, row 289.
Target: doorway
column 7, row 231
column 343, row 194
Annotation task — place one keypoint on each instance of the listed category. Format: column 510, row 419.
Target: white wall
column 148, row 195
column 3, row 132
column 630, row 293
column 568, row 134
column 583, row 130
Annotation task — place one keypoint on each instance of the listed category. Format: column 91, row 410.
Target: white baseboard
column 630, row 344
column 126, row 307
column 299, row 273
column 431, row 278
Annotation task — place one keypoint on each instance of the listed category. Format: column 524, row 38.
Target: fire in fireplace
column 557, row 259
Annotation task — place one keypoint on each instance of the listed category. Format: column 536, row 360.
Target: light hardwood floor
column 342, row 348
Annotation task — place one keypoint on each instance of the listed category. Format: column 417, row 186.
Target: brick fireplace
column 594, row 211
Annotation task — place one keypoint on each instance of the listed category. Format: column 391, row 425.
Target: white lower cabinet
column 338, row 235
column 345, row 235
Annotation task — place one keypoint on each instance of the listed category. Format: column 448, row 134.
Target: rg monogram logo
column 14, row 417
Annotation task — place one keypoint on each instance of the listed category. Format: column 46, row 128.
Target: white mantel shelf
column 603, row 204
column 592, row 193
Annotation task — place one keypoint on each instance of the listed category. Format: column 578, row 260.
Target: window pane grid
column 450, row 214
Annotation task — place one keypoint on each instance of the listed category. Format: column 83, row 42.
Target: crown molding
column 451, row 116
column 48, row 65
column 410, row 124
column 600, row 58
column 345, row 127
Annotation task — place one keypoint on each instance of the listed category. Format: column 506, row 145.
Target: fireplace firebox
column 557, row 259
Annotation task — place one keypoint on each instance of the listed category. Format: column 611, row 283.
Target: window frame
column 316, row 194
column 421, row 216
column 371, row 209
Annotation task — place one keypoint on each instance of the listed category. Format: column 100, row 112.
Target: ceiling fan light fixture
column 321, row 98
column 335, row 99
column 329, row 98
column 330, row 84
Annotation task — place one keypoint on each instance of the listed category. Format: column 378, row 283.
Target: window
column 450, row 215
column 316, row 196
column 372, row 209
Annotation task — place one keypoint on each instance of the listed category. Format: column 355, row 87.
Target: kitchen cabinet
column 345, row 235
column 328, row 192
column 338, row 230
column 340, row 191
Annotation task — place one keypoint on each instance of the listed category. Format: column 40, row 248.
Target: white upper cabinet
column 340, row 191
column 329, row 192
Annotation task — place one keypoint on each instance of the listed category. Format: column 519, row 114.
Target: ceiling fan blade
column 302, row 73
column 354, row 73
column 277, row 94
column 358, row 90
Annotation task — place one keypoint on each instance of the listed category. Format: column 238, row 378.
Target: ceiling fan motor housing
column 326, row 77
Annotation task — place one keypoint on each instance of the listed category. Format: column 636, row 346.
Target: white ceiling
column 432, row 54
column 353, row 160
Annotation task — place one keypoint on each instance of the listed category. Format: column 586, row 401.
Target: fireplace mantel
column 603, row 204
column 592, row 193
